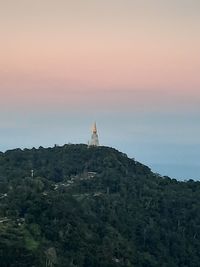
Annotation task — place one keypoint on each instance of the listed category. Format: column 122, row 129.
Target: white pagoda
column 94, row 138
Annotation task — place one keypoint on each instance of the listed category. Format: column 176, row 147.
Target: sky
column 132, row 66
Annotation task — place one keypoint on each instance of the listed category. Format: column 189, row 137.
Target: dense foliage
column 94, row 207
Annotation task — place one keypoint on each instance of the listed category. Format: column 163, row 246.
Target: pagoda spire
column 94, row 138
column 94, row 131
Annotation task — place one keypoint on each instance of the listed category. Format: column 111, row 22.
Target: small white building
column 94, row 138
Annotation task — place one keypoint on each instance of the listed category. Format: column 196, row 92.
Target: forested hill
column 74, row 206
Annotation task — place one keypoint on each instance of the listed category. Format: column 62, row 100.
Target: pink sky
column 56, row 47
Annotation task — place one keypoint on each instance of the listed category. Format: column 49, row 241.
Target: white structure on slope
column 94, row 138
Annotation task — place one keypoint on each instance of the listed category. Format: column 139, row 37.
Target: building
column 94, row 138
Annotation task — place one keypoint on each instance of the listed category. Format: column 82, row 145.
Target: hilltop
column 94, row 207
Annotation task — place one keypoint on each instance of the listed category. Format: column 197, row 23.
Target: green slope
column 94, row 207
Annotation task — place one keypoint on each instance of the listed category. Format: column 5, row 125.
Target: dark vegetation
column 94, row 208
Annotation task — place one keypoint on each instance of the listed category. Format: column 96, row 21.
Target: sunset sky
column 133, row 66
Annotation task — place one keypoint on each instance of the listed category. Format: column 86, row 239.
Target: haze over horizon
column 133, row 66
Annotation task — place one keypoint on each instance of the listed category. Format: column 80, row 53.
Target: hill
column 74, row 206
